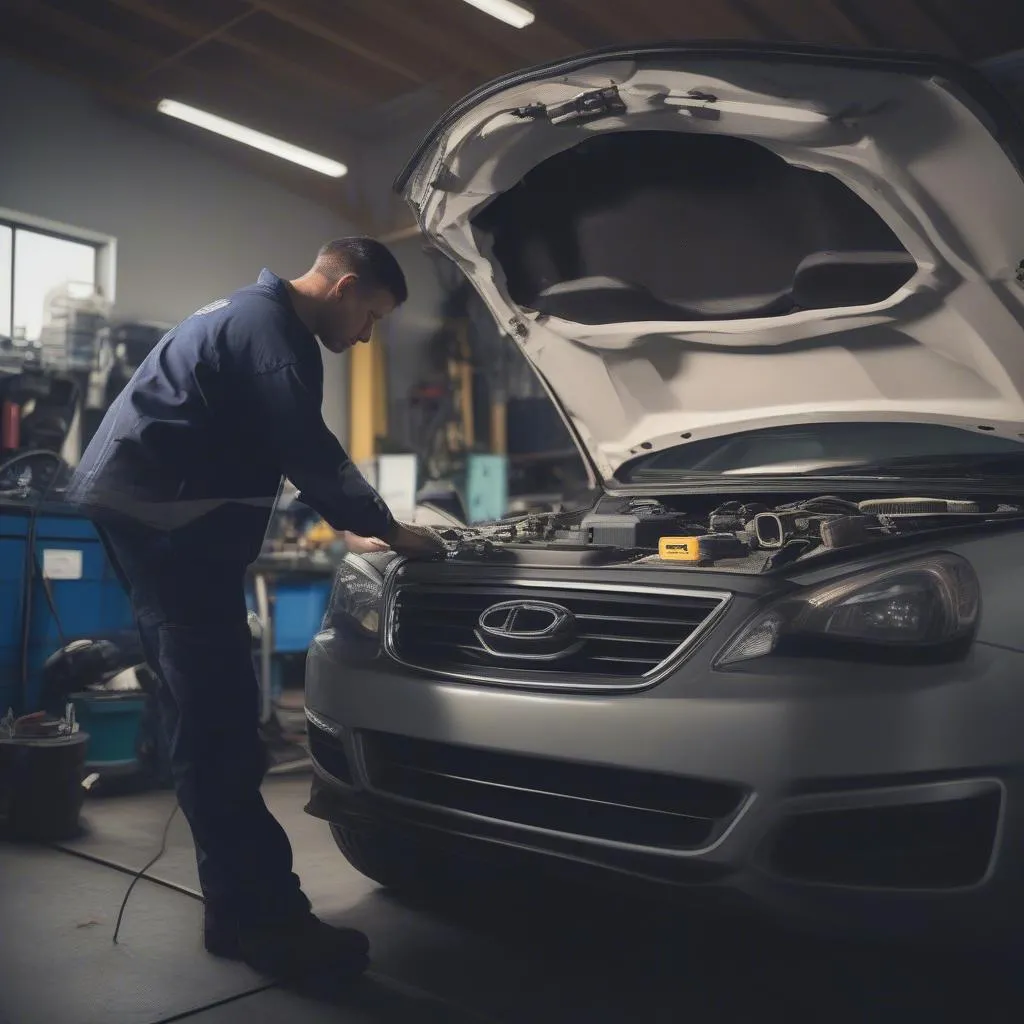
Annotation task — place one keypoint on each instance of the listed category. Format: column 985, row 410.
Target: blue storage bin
column 298, row 610
column 13, row 529
column 112, row 721
column 93, row 606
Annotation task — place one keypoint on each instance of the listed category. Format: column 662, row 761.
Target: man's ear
column 344, row 284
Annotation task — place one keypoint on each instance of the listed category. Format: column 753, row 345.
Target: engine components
column 742, row 537
column 714, row 547
column 733, row 517
column 641, row 524
column 916, row 506
column 775, row 529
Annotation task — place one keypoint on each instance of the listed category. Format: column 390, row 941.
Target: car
column 776, row 658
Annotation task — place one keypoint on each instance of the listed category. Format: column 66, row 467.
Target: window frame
column 104, row 246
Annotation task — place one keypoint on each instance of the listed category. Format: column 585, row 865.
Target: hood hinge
column 586, row 107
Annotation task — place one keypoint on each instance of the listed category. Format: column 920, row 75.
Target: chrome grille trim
column 578, row 684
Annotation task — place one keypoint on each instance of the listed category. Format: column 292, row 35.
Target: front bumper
column 850, row 797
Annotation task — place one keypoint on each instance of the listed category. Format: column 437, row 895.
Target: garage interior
column 120, row 214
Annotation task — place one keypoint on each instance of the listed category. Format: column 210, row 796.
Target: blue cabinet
column 90, row 602
column 298, row 610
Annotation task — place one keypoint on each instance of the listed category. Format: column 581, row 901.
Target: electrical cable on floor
column 226, row 1001
column 124, row 869
column 401, row 987
column 139, row 875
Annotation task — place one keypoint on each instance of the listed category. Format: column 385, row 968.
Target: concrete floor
column 536, row 953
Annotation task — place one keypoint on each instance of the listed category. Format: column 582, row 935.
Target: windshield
column 824, row 448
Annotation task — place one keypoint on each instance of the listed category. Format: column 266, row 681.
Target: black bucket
column 41, row 791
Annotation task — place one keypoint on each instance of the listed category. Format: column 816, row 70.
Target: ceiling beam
column 51, row 19
column 577, row 26
column 286, row 11
column 848, row 17
column 198, row 39
column 138, row 58
column 612, row 18
column 485, row 61
column 757, row 17
column 945, row 39
column 201, row 34
column 538, row 42
column 141, row 106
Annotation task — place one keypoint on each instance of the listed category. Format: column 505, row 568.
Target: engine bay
column 698, row 532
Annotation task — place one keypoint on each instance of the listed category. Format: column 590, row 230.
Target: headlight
column 354, row 609
column 924, row 605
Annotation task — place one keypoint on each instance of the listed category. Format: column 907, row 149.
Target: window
column 33, row 262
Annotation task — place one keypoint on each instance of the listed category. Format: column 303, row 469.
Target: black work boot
column 290, row 949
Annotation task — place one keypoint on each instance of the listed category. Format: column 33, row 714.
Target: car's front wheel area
column 396, row 860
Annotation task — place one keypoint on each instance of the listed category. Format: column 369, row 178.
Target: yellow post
column 368, row 398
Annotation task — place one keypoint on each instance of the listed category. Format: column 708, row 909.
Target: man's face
column 349, row 313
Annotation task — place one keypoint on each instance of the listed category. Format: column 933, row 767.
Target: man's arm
column 310, row 456
column 289, row 418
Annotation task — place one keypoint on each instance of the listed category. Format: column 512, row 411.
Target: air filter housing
column 916, row 506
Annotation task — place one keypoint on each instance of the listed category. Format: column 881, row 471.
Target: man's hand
column 416, row 541
column 364, row 545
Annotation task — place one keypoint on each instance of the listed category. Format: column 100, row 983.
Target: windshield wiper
column 963, row 465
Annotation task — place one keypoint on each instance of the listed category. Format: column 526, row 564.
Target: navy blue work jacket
column 224, row 406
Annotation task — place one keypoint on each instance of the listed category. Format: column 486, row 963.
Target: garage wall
column 410, row 330
column 189, row 227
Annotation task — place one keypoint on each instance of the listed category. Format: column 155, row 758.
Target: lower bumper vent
column 942, row 845
column 327, row 752
column 635, row 808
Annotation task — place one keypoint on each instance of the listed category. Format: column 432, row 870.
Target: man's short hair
column 371, row 261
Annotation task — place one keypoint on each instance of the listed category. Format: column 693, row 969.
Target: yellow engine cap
column 679, row 549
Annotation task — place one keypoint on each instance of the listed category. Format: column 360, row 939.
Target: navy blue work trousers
column 192, row 619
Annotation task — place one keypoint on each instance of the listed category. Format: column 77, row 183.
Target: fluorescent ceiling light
column 250, row 137
column 505, row 10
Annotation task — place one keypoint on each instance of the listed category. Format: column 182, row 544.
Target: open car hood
column 693, row 241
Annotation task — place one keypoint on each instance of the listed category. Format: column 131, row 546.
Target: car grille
column 637, row 808
column 623, row 637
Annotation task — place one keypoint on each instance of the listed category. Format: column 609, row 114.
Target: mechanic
column 180, row 480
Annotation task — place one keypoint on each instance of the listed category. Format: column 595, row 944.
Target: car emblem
column 533, row 630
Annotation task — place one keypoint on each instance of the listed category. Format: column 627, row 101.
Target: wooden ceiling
column 358, row 80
